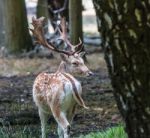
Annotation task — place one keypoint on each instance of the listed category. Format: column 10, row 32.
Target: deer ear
column 82, row 54
column 64, row 57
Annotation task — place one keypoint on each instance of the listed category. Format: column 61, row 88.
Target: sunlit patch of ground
column 26, row 66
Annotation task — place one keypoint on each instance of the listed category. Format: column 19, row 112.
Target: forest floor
column 18, row 109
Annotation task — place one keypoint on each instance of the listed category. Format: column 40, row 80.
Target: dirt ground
column 17, row 108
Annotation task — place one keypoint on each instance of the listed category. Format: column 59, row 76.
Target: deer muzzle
column 90, row 73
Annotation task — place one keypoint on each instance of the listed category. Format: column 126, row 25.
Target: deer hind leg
column 43, row 118
column 63, row 124
column 71, row 113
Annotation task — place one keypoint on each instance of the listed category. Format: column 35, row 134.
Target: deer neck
column 62, row 67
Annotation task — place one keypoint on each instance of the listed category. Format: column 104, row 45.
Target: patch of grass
column 25, row 131
column 114, row 132
column 25, row 66
column 19, row 132
column 34, row 132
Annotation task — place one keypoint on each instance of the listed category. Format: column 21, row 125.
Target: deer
column 59, row 93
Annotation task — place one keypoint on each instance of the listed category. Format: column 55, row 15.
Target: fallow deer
column 59, row 92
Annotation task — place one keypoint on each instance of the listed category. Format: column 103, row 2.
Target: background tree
column 73, row 14
column 54, row 5
column 125, row 30
column 75, row 20
column 42, row 10
column 2, row 41
column 16, row 26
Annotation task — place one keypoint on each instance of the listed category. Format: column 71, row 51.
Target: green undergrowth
column 114, row 132
column 19, row 132
column 33, row 132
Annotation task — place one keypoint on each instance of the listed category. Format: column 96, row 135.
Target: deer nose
column 90, row 73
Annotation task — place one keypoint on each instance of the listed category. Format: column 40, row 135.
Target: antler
column 38, row 33
column 63, row 36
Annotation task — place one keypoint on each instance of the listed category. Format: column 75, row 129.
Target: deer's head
column 74, row 64
column 72, row 61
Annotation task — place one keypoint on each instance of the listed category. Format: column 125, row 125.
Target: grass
column 19, row 132
column 34, row 132
column 114, row 132
column 25, row 66
column 24, row 131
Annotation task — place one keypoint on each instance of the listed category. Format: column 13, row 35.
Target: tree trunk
column 2, row 32
column 16, row 26
column 42, row 10
column 75, row 20
column 125, row 30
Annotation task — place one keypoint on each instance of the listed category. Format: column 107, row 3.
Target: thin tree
column 2, row 41
column 125, row 30
column 16, row 26
column 42, row 10
column 75, row 20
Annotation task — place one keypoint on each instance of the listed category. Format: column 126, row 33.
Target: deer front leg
column 60, row 132
column 67, row 132
column 43, row 118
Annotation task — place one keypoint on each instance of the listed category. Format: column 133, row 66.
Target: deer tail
column 79, row 100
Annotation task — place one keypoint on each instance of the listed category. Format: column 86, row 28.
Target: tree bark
column 42, row 10
column 16, row 26
column 2, row 32
column 75, row 20
column 125, row 30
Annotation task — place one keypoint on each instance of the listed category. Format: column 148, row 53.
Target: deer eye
column 75, row 63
